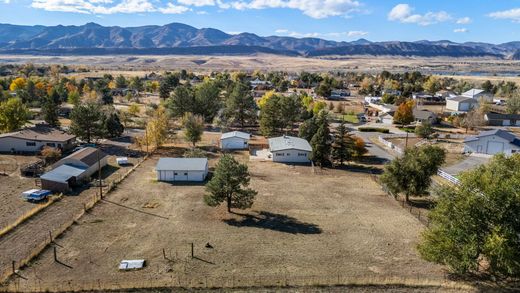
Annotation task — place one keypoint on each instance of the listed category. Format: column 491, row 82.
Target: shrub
column 374, row 129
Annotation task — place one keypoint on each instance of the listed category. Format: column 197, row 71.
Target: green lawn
column 350, row 118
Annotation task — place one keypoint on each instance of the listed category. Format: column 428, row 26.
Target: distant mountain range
column 178, row 38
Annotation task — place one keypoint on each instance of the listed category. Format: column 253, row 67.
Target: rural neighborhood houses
column 73, row 169
column 289, row 149
column 33, row 139
column 492, row 142
column 496, row 119
column 182, row 169
column 235, row 140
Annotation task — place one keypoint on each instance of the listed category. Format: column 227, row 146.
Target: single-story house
column 339, row 94
column 496, row 119
column 424, row 116
column 492, row 142
column 74, row 169
column 289, row 149
column 86, row 158
column 235, row 140
column 461, row 104
column 479, row 95
column 182, row 169
column 33, row 139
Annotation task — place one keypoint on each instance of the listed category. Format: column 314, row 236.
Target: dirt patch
column 337, row 225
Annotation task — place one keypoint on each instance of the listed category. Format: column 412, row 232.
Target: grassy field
column 334, row 226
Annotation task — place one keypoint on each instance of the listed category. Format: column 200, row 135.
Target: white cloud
column 202, row 12
column 511, row 14
column 464, row 20
column 197, row 3
column 355, row 34
column 460, row 30
column 313, row 8
column 173, row 9
column 404, row 13
column 7, row 1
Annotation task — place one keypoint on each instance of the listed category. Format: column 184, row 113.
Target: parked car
column 35, row 195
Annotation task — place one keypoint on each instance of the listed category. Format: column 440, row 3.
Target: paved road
column 374, row 149
column 468, row 164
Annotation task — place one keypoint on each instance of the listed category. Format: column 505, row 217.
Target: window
column 30, row 143
column 51, row 144
column 185, row 174
column 175, row 174
column 288, row 154
column 302, row 154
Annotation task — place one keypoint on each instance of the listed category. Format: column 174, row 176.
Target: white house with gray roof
column 235, row 140
column 290, row 149
column 182, row 169
column 492, row 142
column 461, row 104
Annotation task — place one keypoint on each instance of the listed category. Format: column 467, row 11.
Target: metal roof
column 472, row 92
column 511, row 138
column 463, row 99
column 131, row 264
column 238, row 134
column 63, row 173
column 181, row 164
column 41, row 133
column 289, row 143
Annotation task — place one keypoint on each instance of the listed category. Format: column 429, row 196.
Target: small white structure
column 134, row 264
column 235, row 140
column 182, row 169
column 289, row 149
column 492, row 142
column 479, row 95
column 122, row 161
column 370, row 100
column 461, row 104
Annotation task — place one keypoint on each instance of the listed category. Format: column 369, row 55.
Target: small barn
column 62, row 178
column 182, row 169
column 492, row 142
column 289, row 149
column 235, row 140
column 461, row 104
column 87, row 159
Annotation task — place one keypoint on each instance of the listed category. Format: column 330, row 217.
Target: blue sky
column 493, row 21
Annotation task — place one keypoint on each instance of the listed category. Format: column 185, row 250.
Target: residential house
column 479, row 95
column 289, row 149
column 33, row 139
column 182, row 169
column 339, row 94
column 235, row 140
column 496, row 119
column 424, row 116
column 492, row 142
column 461, row 104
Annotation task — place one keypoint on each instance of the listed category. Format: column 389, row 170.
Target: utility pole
column 146, row 139
column 99, row 174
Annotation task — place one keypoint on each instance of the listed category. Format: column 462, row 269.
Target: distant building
column 235, row 140
column 424, row 116
column 289, row 149
column 495, row 119
column 182, row 169
column 339, row 94
column 461, row 104
column 33, row 139
column 479, row 95
column 492, row 142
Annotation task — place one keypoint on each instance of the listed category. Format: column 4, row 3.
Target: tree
column 73, row 98
column 229, row 184
column 343, row 145
column 50, row 111
column 134, row 109
column 473, row 119
column 308, row 129
column 207, row 99
column 388, row 99
column 240, row 105
column 193, row 127
column 50, row 154
column 167, row 84
column 18, row 83
column 86, row 121
column 432, row 85
column 271, row 117
column 156, row 131
column 359, row 147
column 291, row 108
column 411, row 173
column 136, row 84
column 476, row 222
column 488, row 87
column 513, row 104
column 404, row 113
column 320, row 142
column 13, row 115
column 424, row 129
column 112, row 125
column 182, row 101
column 121, row 82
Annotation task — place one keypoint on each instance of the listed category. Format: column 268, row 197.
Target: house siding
column 182, row 175
column 9, row 144
column 488, row 145
column 233, row 143
column 291, row 156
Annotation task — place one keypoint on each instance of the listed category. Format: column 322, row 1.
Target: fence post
column 55, row 254
column 192, row 255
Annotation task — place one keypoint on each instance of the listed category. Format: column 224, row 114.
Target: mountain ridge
column 179, row 37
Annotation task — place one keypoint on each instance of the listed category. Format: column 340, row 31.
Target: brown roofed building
column 86, row 158
column 33, row 139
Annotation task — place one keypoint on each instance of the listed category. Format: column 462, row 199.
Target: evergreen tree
column 50, row 111
column 121, row 82
column 229, row 184
column 86, row 121
column 271, row 121
column 241, row 106
column 182, row 101
column 193, row 127
column 207, row 97
column 167, row 84
column 320, row 142
column 308, row 129
column 112, row 126
column 343, row 145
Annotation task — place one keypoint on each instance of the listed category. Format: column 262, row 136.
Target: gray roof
column 497, row 116
column 463, row 99
column 473, row 92
column 423, row 114
column 181, row 164
column 511, row 138
column 63, row 173
column 288, row 143
column 238, row 134
column 41, row 133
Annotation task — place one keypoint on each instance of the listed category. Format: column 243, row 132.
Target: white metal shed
column 235, row 140
column 182, row 169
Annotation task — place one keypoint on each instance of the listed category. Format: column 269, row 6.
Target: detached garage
column 492, row 142
column 182, row 169
column 235, row 140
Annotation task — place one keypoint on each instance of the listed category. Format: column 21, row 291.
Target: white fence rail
column 448, row 177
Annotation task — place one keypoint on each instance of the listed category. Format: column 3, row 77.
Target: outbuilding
column 492, row 142
column 235, row 140
column 461, row 104
column 62, row 178
column 86, row 158
column 289, row 149
column 182, row 169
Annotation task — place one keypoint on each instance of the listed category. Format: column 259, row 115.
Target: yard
column 331, row 227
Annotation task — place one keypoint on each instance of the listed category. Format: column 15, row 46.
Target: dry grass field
column 140, row 65
column 334, row 226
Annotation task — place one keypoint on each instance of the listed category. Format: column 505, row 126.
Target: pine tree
column 240, row 105
column 343, row 145
column 320, row 142
column 50, row 111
